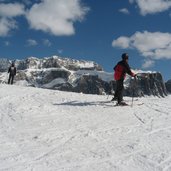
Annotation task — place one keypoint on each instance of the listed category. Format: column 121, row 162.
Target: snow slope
column 47, row 130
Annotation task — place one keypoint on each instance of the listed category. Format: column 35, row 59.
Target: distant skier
column 12, row 73
column 120, row 71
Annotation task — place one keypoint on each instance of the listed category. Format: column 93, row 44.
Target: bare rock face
column 49, row 76
column 168, row 86
column 144, row 84
column 147, row 84
column 51, row 63
column 90, row 84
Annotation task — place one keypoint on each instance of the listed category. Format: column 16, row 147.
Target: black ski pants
column 11, row 78
column 119, row 90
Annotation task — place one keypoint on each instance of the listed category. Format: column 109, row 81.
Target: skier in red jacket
column 120, row 70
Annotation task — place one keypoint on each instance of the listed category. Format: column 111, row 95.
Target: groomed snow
column 48, row 130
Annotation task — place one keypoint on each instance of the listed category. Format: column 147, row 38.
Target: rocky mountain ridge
column 68, row 74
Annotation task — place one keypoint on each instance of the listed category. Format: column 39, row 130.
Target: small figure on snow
column 12, row 73
column 120, row 70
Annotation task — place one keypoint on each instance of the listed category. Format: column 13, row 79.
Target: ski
column 139, row 104
column 121, row 105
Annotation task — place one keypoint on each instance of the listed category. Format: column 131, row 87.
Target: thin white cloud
column 122, row 42
column 11, row 10
column 124, row 11
column 60, row 51
column 152, row 6
column 6, row 25
column 7, row 14
column 32, row 42
column 148, row 63
column 46, row 42
column 131, row 1
column 56, row 17
column 6, row 43
column 155, row 45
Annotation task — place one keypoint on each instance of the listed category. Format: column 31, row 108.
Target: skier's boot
column 122, row 103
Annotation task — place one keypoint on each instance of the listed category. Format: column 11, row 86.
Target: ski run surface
column 48, row 130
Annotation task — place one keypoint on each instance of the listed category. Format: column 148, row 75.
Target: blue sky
column 98, row 30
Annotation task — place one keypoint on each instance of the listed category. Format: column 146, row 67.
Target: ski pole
column 132, row 97
column 133, row 90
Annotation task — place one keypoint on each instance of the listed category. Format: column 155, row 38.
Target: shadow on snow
column 78, row 103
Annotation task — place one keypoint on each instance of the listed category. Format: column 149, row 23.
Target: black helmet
column 13, row 63
column 125, row 56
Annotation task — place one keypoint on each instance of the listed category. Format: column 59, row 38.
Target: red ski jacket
column 121, row 69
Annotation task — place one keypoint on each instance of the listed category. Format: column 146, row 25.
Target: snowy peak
column 57, row 62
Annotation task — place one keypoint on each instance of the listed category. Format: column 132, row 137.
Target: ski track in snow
column 51, row 130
